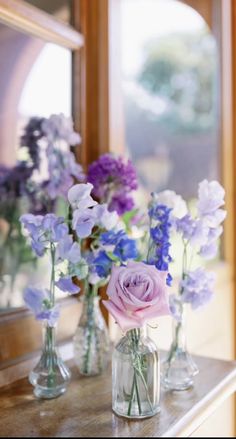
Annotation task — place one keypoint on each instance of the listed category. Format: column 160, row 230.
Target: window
column 170, row 91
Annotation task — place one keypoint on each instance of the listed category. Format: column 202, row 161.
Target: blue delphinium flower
column 159, row 247
column 103, row 264
column 126, row 249
column 116, row 246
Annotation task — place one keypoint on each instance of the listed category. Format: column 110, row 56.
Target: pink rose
column 137, row 293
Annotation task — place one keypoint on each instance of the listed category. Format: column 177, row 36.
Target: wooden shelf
column 85, row 410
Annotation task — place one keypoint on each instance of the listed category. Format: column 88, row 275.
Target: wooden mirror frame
column 31, row 20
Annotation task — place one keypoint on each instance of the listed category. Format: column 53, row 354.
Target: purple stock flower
column 30, row 138
column 59, row 127
column 67, row 285
column 113, row 180
column 197, row 287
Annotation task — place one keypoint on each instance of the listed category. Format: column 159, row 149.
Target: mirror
column 35, row 81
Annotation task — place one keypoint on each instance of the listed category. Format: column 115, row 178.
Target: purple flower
column 44, row 230
column 67, row 285
column 197, row 287
column 38, row 301
column 121, row 203
column 126, row 249
column 113, row 180
column 83, row 222
column 50, row 315
column 54, row 228
column 68, row 250
column 194, row 231
column 59, row 127
column 62, row 170
column 30, row 139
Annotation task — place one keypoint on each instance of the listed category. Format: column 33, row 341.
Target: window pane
column 170, row 91
column 61, row 9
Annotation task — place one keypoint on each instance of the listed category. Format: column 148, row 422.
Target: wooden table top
column 85, row 410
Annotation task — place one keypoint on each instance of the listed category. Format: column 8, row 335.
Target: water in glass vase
column 136, row 376
column 51, row 376
column 179, row 368
column 91, row 340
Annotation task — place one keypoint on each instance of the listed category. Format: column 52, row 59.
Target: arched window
column 170, row 88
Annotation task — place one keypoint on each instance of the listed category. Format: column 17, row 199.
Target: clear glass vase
column 51, row 376
column 91, row 340
column 179, row 368
column 136, row 376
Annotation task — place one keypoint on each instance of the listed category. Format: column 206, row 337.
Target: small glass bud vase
column 51, row 376
column 91, row 340
column 179, row 368
column 136, row 376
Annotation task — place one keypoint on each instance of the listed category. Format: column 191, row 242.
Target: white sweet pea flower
column 106, row 219
column 210, row 197
column 79, row 196
column 172, row 201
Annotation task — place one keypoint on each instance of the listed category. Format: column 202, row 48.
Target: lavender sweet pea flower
column 197, row 287
column 38, row 301
column 54, row 227
column 51, row 315
column 66, row 285
column 209, row 251
column 68, row 250
column 34, row 299
column 83, row 222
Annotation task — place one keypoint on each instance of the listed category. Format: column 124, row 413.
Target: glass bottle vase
column 51, row 375
column 136, row 376
column 91, row 340
column 179, row 368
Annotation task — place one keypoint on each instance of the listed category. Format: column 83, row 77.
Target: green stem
column 132, row 395
column 137, row 394
column 91, row 324
column 52, row 284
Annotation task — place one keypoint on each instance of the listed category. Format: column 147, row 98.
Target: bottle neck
column 49, row 338
column 137, row 334
column 179, row 331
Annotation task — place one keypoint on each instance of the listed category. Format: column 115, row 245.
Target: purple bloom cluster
column 197, row 288
column 205, row 230
column 159, row 251
column 30, row 139
column 44, row 230
column 113, row 180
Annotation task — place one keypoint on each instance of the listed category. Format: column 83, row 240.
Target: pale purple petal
column 67, row 285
